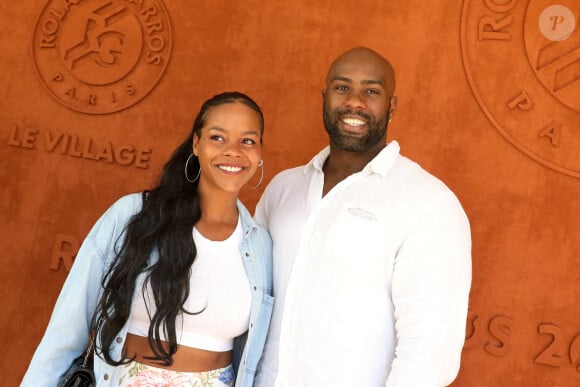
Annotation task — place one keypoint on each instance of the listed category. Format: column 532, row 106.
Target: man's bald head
column 370, row 61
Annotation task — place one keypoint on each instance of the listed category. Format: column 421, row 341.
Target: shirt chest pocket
column 357, row 235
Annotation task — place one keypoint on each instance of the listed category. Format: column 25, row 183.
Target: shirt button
column 106, row 377
column 247, row 254
column 119, row 340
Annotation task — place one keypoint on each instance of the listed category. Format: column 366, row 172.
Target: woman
column 176, row 281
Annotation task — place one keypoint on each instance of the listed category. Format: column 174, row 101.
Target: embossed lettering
column 87, row 151
column 14, row 138
column 470, row 330
column 154, row 27
column 491, row 29
column 125, row 155
column 51, row 143
column 49, row 28
column 76, row 146
column 153, row 59
column 156, row 43
column 65, row 249
column 92, row 99
column 499, row 328
column 142, row 160
column 552, row 131
column 106, row 153
column 150, row 11
column 26, row 139
column 72, row 149
column 500, row 8
column 58, row 77
column 551, row 354
column 522, row 101
column 48, row 41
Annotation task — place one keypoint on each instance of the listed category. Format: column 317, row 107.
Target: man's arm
column 431, row 283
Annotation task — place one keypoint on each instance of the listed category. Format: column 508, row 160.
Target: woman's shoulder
column 114, row 219
column 127, row 204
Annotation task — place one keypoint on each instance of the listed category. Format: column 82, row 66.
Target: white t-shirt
column 219, row 284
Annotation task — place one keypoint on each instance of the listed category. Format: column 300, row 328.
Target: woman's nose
column 233, row 149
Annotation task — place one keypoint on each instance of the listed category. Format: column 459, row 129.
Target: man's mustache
column 343, row 112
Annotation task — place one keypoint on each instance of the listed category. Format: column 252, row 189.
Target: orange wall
column 487, row 102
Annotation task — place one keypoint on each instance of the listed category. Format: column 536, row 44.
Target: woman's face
column 229, row 147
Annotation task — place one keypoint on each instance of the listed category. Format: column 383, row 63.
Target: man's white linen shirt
column 371, row 281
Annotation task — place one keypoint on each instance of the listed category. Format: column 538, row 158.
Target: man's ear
column 392, row 107
column 323, row 93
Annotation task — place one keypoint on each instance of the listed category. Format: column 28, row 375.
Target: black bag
column 80, row 373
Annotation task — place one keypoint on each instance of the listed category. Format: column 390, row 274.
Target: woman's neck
column 219, row 214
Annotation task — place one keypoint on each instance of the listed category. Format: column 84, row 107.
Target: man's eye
column 372, row 91
column 341, row 88
column 248, row 141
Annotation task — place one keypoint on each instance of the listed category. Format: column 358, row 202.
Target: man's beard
column 376, row 129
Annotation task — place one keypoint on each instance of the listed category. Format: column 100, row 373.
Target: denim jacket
column 66, row 336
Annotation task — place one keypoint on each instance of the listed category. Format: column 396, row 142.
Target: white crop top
column 219, row 283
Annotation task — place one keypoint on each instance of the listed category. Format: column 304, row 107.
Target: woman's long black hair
column 164, row 224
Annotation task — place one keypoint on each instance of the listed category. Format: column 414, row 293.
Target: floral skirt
column 135, row 374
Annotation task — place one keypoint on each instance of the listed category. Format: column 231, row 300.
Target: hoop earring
column 186, row 175
column 260, row 164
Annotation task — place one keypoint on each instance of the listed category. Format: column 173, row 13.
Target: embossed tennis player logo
column 101, row 56
column 522, row 60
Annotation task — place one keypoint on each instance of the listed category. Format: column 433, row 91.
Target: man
column 372, row 255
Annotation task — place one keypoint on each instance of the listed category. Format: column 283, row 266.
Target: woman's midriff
column 186, row 359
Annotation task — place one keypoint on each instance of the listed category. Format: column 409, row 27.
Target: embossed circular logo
column 101, row 56
column 522, row 60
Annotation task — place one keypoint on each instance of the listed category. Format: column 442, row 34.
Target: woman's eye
column 216, row 137
column 248, row 141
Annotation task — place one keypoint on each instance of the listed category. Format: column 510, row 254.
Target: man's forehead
column 361, row 66
column 357, row 73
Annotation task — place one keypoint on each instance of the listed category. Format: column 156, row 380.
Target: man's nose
column 356, row 100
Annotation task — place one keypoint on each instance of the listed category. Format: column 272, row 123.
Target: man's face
column 356, row 103
column 354, row 130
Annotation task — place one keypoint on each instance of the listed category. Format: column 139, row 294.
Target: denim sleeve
column 67, row 333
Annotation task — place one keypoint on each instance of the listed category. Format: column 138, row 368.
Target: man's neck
column 340, row 164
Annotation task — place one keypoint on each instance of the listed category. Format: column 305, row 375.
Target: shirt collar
column 380, row 165
column 248, row 223
column 317, row 161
